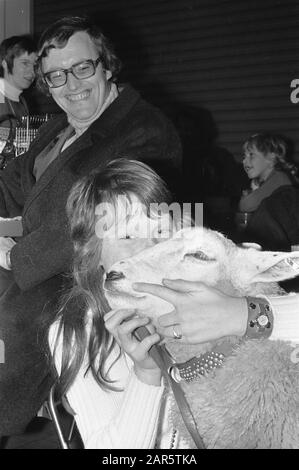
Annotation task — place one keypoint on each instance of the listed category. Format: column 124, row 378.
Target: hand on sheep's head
column 199, row 255
column 200, row 314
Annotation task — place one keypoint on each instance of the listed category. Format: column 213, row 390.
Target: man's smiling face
column 81, row 99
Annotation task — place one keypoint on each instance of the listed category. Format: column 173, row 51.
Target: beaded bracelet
column 260, row 318
column 259, row 325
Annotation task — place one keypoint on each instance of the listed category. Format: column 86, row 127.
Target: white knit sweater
column 130, row 419
column 127, row 419
column 286, row 318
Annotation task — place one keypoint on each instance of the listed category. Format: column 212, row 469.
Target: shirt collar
column 9, row 90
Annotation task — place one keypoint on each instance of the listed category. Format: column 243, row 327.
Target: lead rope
column 163, row 360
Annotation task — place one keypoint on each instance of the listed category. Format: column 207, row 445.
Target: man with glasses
column 101, row 121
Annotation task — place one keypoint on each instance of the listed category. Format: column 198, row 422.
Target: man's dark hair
column 13, row 47
column 58, row 34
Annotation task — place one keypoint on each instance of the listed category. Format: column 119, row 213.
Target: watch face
column 263, row 320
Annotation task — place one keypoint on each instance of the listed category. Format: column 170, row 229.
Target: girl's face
column 125, row 229
column 256, row 164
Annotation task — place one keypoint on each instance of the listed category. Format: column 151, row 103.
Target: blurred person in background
column 17, row 61
column 272, row 203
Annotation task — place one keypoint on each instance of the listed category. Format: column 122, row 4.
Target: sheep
column 252, row 401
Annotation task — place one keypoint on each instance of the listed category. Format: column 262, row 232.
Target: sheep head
column 198, row 254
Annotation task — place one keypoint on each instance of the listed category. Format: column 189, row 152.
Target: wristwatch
column 8, row 262
column 260, row 318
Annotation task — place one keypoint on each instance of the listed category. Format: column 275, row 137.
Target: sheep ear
column 275, row 266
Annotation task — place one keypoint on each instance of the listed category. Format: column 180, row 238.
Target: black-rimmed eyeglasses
column 82, row 70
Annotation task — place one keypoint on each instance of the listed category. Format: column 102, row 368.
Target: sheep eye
column 126, row 237
column 200, row 255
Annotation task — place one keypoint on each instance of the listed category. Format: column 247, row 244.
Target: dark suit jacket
column 130, row 127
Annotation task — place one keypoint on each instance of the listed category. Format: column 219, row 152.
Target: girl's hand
column 121, row 324
column 200, row 314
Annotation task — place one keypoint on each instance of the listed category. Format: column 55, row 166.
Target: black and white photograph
column 149, row 227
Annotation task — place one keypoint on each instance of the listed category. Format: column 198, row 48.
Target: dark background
column 227, row 64
column 221, row 69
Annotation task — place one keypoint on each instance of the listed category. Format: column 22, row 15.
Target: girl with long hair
column 110, row 381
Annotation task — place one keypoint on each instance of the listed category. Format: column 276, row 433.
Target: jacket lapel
column 98, row 130
column 103, row 127
column 50, row 131
column 55, row 167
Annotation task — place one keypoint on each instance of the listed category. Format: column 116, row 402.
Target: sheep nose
column 114, row 276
